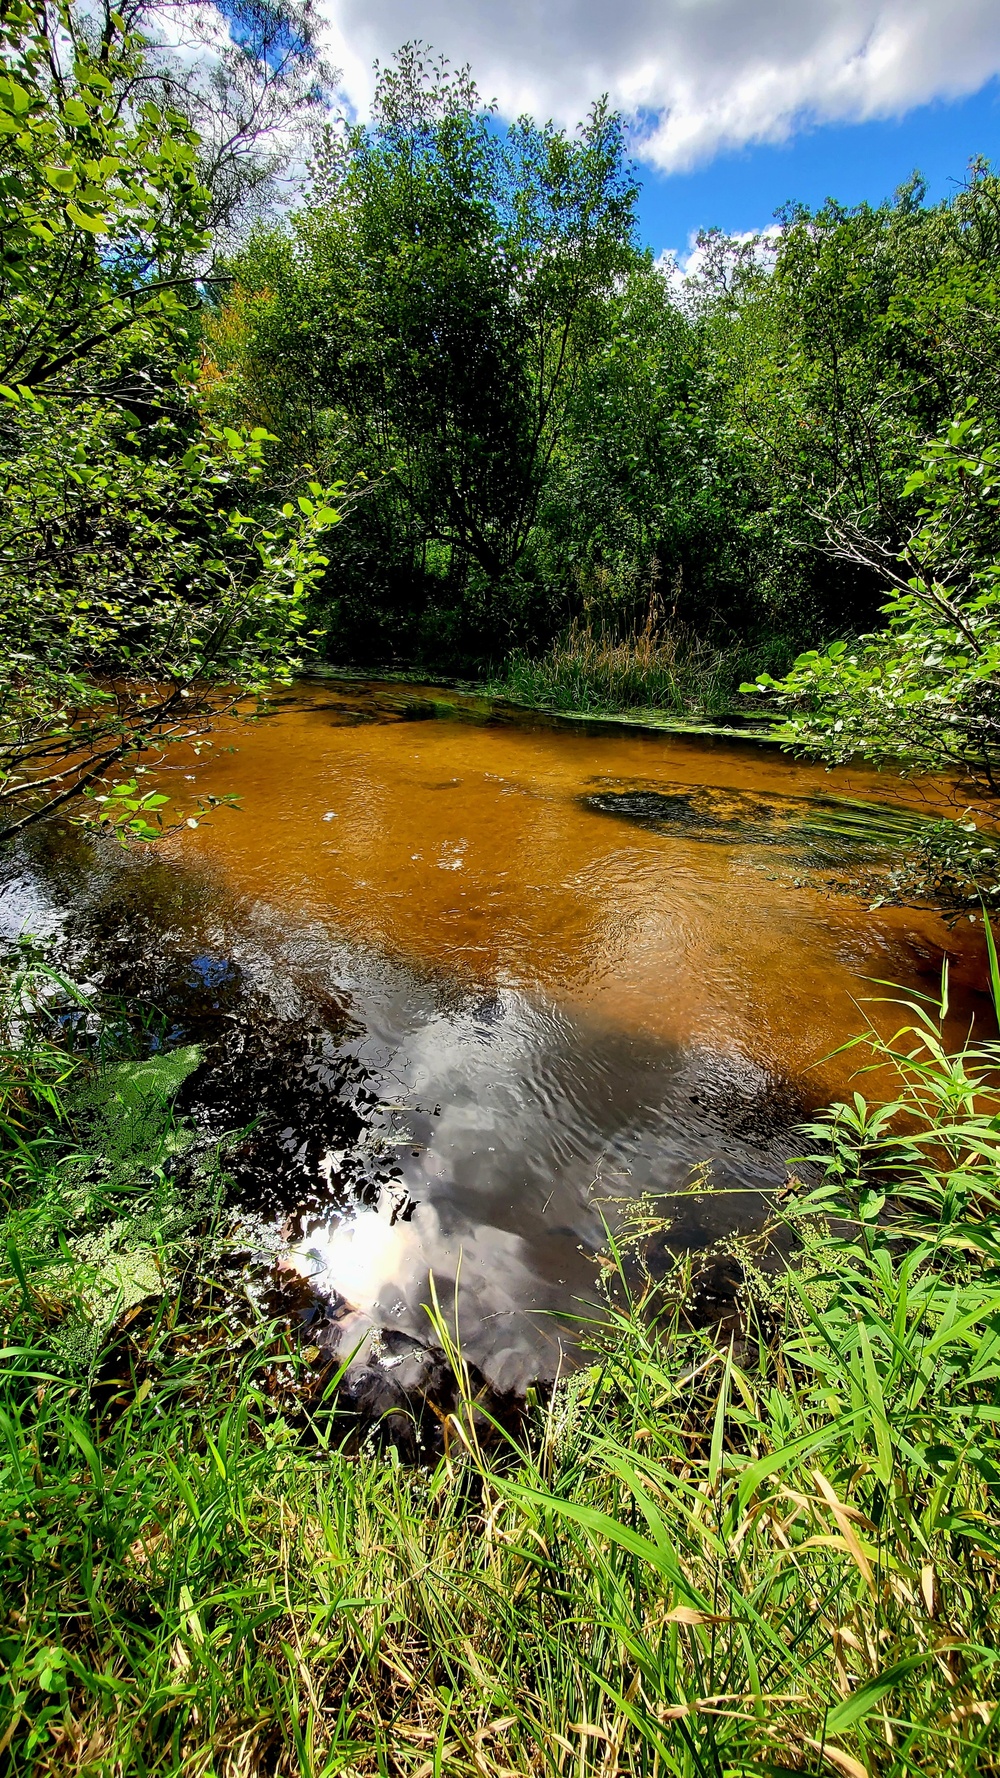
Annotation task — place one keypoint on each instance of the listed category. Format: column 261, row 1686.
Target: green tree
column 653, row 510
column 846, row 339
column 137, row 596
column 101, row 209
column 926, row 687
column 428, row 317
column 249, row 78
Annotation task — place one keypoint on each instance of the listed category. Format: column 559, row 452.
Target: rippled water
column 570, row 961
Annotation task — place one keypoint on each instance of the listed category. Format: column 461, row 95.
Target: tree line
column 232, row 319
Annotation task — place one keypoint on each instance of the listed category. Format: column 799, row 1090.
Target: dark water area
column 485, row 977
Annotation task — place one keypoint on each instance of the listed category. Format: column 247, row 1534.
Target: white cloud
column 702, row 75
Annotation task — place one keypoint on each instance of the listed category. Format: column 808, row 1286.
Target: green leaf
column 14, row 97
column 601, row 1525
column 862, row 1702
column 95, row 225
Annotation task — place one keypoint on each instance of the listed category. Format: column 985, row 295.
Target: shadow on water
column 472, row 997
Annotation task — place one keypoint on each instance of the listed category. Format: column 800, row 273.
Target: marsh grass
column 777, row 1552
column 672, row 671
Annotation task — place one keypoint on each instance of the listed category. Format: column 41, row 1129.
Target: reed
column 657, row 670
column 776, row 1551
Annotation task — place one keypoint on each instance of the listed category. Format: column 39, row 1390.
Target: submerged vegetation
column 767, row 1544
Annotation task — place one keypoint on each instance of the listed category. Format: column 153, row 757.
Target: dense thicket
column 147, row 574
column 545, row 433
column 549, row 426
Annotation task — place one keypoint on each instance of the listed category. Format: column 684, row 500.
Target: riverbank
column 764, row 1543
column 674, row 676
column 608, row 685
column 500, row 693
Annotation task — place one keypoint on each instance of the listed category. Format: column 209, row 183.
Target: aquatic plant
column 588, row 670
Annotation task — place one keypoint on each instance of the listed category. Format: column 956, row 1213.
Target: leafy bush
column 925, row 688
column 141, row 584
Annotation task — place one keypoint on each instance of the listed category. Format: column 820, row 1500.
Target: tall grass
column 774, row 1551
column 670, row 671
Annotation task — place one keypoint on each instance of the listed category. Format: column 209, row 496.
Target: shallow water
column 576, row 962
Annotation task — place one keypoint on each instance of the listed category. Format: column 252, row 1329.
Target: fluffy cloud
column 696, row 75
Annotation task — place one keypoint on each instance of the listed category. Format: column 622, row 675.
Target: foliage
column 137, row 598
column 100, row 206
column 428, row 317
column 250, row 79
column 736, row 427
column 925, row 687
column 132, row 578
column 699, row 438
column 676, row 671
column 656, row 506
column 775, row 1554
column 93, row 1154
column 844, row 340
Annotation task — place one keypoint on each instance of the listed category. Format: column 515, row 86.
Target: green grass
column 678, row 674
column 777, row 1551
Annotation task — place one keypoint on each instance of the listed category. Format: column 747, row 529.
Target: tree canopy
column 541, row 429
column 136, row 571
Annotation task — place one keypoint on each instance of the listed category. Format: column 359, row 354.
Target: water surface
column 576, row 961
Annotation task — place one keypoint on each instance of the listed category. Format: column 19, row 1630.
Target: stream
column 522, row 970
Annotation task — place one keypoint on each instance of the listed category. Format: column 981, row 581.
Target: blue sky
column 741, row 104
column 853, row 162
column 744, row 103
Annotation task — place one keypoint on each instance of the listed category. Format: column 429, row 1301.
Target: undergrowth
column 673, row 672
column 776, row 1551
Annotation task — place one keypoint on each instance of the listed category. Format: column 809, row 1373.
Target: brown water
column 579, row 960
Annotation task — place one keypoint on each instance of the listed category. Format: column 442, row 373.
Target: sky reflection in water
column 560, row 1005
